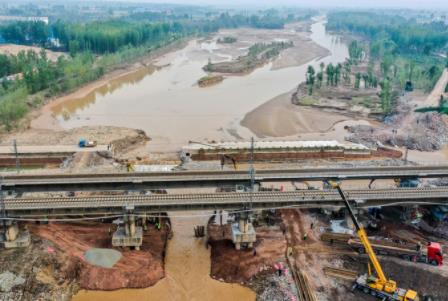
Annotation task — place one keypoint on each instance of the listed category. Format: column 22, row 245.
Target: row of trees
column 405, row 35
column 25, row 32
column 401, row 49
column 111, row 35
column 335, row 74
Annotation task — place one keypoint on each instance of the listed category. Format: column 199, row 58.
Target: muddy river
column 169, row 106
column 187, row 268
column 172, row 109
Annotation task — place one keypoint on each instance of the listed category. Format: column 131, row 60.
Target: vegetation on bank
column 400, row 54
column 258, row 54
column 210, row 80
column 227, row 40
column 95, row 48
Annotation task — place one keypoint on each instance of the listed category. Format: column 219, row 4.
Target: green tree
column 357, row 80
column 330, row 74
column 310, row 79
column 387, row 96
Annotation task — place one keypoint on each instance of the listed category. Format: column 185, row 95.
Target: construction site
column 204, row 172
column 275, row 218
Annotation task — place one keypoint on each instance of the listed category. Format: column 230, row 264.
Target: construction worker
column 305, row 236
column 419, row 247
column 158, row 226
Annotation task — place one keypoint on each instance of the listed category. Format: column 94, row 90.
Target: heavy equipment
column 432, row 254
column 86, row 143
column 376, row 285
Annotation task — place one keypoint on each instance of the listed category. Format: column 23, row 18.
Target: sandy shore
column 279, row 117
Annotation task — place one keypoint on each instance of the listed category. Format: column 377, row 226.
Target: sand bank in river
column 279, row 117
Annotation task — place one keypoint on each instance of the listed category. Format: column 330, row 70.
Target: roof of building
column 303, row 144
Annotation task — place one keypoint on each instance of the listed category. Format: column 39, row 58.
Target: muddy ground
column 312, row 255
column 54, row 266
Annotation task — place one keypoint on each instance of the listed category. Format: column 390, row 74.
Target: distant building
column 20, row 18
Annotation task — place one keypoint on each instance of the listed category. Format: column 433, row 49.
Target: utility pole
column 17, row 156
column 2, row 207
column 251, row 171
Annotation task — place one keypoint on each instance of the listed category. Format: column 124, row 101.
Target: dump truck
column 431, row 253
column 376, row 285
column 86, row 143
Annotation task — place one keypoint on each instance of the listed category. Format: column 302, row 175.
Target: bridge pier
column 15, row 237
column 243, row 232
column 128, row 235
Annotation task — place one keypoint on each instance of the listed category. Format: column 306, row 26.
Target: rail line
column 213, row 201
column 304, row 290
column 340, row 273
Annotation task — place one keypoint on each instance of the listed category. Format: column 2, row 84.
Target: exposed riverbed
column 169, row 106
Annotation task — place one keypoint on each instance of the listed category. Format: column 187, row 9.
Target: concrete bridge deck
column 67, row 206
column 157, row 180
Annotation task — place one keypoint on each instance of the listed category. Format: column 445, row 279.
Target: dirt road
column 433, row 98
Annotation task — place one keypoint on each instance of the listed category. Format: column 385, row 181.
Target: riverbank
column 170, row 96
column 279, row 118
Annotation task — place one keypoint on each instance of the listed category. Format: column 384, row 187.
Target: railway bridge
column 176, row 179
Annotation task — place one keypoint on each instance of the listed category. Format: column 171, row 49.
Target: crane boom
column 379, row 285
column 364, row 239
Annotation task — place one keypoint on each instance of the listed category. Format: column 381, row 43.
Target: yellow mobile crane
column 379, row 285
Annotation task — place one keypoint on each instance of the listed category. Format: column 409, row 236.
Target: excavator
column 376, row 285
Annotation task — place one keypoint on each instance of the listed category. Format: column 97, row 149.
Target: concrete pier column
column 15, row 237
column 129, row 234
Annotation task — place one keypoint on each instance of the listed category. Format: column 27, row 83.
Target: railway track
column 304, row 291
column 340, row 273
column 265, row 199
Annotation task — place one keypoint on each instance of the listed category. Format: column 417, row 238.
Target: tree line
column 401, row 52
column 118, row 41
column 110, row 35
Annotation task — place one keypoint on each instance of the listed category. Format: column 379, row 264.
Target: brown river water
column 187, row 267
column 169, row 106
column 172, row 109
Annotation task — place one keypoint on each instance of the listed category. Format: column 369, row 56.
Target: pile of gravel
column 8, row 280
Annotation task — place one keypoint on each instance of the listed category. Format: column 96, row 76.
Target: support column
column 243, row 232
column 15, row 237
column 128, row 235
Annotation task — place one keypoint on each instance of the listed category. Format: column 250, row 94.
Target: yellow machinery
column 379, row 285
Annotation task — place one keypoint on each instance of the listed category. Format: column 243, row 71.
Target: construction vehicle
column 86, row 143
column 376, row 285
column 412, row 252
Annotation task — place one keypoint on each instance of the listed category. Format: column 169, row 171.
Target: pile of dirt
column 233, row 265
column 129, row 142
column 425, row 132
column 135, row 269
column 122, row 138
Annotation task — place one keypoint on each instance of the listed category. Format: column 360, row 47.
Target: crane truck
column 376, row 285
